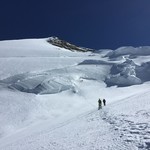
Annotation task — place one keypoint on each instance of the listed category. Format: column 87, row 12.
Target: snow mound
column 32, row 48
column 123, row 74
column 42, row 83
column 143, row 71
column 133, row 52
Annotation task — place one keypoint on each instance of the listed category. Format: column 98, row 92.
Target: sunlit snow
column 48, row 97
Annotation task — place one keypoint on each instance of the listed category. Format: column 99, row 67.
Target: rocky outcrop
column 63, row 44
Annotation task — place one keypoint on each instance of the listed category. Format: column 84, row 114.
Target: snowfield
column 48, row 97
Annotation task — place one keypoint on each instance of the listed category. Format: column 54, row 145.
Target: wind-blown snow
column 48, row 97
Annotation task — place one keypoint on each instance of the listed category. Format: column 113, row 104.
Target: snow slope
column 48, row 97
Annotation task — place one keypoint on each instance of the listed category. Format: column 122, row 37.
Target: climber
column 99, row 104
column 104, row 102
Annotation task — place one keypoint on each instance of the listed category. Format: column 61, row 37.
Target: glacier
column 49, row 94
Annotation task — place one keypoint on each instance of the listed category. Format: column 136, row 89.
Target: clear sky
column 89, row 23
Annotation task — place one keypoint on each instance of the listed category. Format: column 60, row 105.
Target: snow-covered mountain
column 49, row 90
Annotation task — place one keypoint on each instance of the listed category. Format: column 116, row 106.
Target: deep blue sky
column 89, row 23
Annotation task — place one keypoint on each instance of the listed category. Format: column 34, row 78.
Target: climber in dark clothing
column 104, row 102
column 99, row 104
